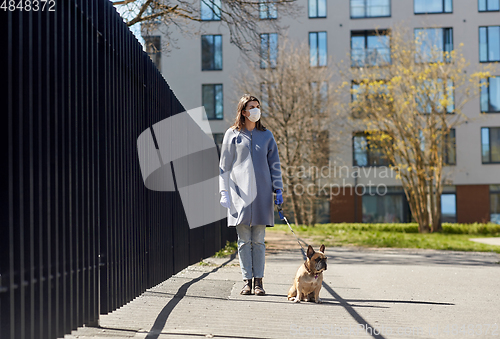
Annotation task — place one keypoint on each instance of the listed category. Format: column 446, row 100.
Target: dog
column 309, row 277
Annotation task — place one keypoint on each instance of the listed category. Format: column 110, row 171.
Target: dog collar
column 311, row 273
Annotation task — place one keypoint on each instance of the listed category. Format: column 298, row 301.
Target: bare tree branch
column 241, row 18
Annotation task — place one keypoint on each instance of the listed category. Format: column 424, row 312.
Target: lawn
column 454, row 236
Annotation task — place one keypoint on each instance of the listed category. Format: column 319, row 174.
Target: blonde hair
column 239, row 122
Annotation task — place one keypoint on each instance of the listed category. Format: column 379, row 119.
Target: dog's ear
column 322, row 249
column 310, row 252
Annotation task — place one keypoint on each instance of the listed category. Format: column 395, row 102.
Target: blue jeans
column 251, row 250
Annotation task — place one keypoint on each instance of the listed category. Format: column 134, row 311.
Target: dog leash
column 282, row 217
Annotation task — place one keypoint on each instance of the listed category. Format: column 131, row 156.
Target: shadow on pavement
column 181, row 293
column 359, row 319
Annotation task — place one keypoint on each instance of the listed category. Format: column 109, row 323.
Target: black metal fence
column 80, row 235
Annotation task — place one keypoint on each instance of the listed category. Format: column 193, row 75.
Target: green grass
column 230, row 248
column 454, row 236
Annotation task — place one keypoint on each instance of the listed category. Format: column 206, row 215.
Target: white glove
column 225, row 201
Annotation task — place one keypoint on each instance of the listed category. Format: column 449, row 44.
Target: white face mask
column 254, row 114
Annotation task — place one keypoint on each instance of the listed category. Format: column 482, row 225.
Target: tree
column 409, row 105
column 296, row 102
column 241, row 17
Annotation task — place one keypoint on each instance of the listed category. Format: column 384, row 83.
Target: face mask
column 254, row 114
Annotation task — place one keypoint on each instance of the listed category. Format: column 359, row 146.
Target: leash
column 282, row 217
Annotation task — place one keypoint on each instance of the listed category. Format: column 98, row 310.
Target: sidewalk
column 489, row 241
column 401, row 293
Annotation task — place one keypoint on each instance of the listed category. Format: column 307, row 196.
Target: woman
column 249, row 174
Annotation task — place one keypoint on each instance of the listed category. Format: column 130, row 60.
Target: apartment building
column 203, row 69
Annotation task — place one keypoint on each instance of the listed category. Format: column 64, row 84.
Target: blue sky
column 136, row 29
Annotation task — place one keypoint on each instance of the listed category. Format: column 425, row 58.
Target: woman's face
column 250, row 105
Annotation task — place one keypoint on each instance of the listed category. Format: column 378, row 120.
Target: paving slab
column 367, row 293
column 489, row 241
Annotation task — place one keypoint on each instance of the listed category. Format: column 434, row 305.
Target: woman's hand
column 225, row 201
column 279, row 197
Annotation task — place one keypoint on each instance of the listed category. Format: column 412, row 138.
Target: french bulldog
column 309, row 277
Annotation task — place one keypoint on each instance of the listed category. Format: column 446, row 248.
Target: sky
column 135, row 29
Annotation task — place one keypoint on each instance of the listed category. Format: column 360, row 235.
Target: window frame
column 443, row 29
column 453, row 144
column 213, row 54
column 268, row 63
column 446, row 88
column 486, row 5
column 368, row 147
column 366, row 34
column 487, row 80
column 391, row 191
column 318, row 49
column 357, row 114
column 425, row 13
column 449, row 190
column 317, row 9
column 266, row 4
column 493, row 191
column 490, row 162
column 214, row 101
column 487, row 44
column 215, row 16
column 369, row 17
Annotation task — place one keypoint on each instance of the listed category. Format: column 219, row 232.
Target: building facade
column 203, row 69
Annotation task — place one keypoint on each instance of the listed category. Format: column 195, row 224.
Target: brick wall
column 473, row 203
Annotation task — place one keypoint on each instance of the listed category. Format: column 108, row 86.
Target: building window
column 210, row 10
column 366, row 152
column 495, row 203
column 212, row 100
column 489, row 5
column 367, row 97
column 211, row 52
column 317, row 8
column 489, row 44
column 267, row 9
column 370, row 8
column 432, row 6
column 433, row 44
column 490, row 145
column 319, row 93
column 153, row 48
column 385, row 205
column 490, row 95
column 370, row 49
column 267, row 97
column 317, row 49
column 322, row 210
column 268, row 50
column 430, row 97
column 450, row 148
column 449, row 204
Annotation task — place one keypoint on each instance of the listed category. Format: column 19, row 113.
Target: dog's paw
column 295, row 299
column 318, row 301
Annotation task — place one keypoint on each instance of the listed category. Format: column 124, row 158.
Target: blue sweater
column 250, row 171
